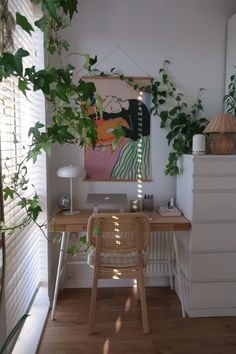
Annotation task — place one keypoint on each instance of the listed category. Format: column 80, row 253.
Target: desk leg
column 178, row 274
column 63, row 274
column 169, row 259
column 58, row 276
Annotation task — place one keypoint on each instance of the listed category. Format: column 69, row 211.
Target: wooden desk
column 78, row 223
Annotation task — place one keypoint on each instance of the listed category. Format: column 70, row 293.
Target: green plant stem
column 16, row 329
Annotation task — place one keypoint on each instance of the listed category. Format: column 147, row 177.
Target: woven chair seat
column 119, row 260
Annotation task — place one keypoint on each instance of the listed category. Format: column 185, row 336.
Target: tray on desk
column 165, row 211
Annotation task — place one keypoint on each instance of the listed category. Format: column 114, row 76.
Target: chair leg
column 93, row 304
column 138, row 290
column 143, row 302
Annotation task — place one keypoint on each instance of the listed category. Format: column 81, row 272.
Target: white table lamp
column 70, row 172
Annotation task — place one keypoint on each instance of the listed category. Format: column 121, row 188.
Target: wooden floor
column 119, row 326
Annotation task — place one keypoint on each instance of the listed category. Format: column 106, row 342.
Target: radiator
column 157, row 249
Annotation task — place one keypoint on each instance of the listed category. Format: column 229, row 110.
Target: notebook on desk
column 165, row 211
column 107, row 201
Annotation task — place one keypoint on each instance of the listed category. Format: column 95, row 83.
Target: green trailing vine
column 70, row 99
column 183, row 121
column 168, row 104
column 13, row 334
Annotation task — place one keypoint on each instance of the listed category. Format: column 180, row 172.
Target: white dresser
column 206, row 193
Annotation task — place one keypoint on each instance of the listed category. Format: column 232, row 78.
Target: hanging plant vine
column 70, row 100
column 168, row 104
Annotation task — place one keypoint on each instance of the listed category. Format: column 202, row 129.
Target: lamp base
column 68, row 212
column 222, row 144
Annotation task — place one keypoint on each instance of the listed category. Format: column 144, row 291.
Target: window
column 26, row 250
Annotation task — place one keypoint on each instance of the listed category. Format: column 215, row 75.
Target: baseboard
column 214, row 312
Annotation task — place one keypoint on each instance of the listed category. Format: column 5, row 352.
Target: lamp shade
column 68, row 171
column 221, row 123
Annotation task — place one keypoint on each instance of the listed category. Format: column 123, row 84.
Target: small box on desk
column 148, row 202
column 165, row 211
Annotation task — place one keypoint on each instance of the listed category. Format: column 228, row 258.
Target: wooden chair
column 119, row 242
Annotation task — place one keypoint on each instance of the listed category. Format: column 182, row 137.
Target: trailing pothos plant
column 70, row 100
column 168, row 104
column 183, row 121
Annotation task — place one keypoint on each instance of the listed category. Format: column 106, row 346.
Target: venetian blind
column 26, row 255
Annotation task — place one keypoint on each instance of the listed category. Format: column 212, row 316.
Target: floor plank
column 119, row 326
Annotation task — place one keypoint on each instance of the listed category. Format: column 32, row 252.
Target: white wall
column 136, row 36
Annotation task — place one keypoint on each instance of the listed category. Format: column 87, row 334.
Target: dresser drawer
column 222, row 183
column 212, row 295
column 213, row 267
column 213, row 237
column 214, row 206
column 214, row 165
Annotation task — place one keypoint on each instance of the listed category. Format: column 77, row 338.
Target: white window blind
column 26, row 250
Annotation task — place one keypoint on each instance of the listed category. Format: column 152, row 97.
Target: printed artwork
column 125, row 107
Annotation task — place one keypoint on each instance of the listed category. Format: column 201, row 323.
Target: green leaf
column 60, row 133
column 16, row 329
column 74, row 249
column 60, row 92
column 89, row 62
column 8, row 192
column 165, row 78
column 30, row 73
column 86, row 90
column 22, row 203
column 42, row 23
column 8, row 64
column 69, row 6
column 52, row 6
column 83, row 239
column 35, row 210
column 35, row 130
column 33, row 154
column 20, row 53
column 65, row 45
column 164, row 116
column 23, row 23
column 97, row 231
column 47, row 147
column 173, row 111
column 23, row 86
column 66, row 74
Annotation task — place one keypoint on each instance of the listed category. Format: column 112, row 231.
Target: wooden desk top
column 78, row 222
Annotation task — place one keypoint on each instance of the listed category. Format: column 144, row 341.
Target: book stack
column 168, row 211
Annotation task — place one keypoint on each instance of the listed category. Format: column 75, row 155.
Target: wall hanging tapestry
column 124, row 107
